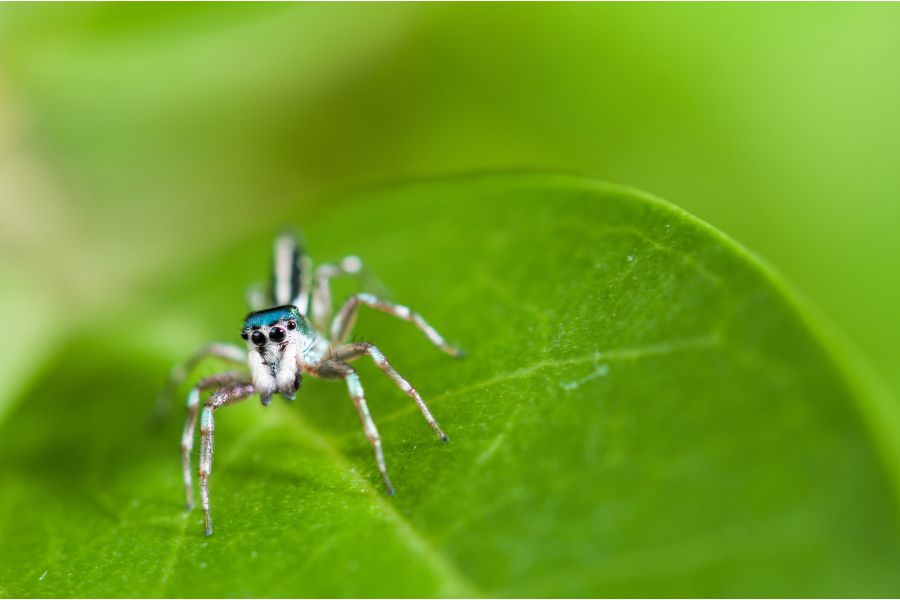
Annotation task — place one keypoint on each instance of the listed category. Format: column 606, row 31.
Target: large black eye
column 258, row 338
column 276, row 334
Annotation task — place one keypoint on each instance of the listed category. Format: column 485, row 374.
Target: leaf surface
column 642, row 412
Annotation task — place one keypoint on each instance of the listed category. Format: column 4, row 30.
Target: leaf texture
column 643, row 411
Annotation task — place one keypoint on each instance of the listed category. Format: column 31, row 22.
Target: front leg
column 334, row 369
column 187, row 438
column 349, row 352
column 223, row 397
column 180, row 372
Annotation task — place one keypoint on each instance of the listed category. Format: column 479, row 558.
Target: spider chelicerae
column 287, row 340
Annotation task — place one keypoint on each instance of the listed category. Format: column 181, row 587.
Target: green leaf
column 644, row 411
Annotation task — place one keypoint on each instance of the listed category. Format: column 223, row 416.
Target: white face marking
column 286, row 375
column 263, row 380
column 275, row 364
column 272, row 351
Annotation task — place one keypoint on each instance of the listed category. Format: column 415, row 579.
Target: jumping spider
column 287, row 340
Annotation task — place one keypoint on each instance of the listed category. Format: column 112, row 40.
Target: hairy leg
column 343, row 322
column 216, row 381
column 223, row 397
column 180, row 372
column 321, row 296
column 350, row 352
column 333, row 369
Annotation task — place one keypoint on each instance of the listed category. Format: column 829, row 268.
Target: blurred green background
column 135, row 139
column 138, row 141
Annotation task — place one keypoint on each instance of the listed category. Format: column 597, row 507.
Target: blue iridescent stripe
column 271, row 315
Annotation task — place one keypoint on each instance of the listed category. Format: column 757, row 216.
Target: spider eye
column 258, row 338
column 276, row 334
column 244, row 335
column 292, row 324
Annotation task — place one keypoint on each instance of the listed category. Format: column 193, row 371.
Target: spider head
column 270, row 331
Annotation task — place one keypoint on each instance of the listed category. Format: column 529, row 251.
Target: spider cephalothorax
column 276, row 337
column 296, row 335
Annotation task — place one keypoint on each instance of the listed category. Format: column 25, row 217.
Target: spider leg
column 222, row 397
column 343, row 322
column 218, row 380
column 321, row 296
column 334, row 369
column 350, row 352
column 180, row 372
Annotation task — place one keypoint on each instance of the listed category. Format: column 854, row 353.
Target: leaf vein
column 460, row 586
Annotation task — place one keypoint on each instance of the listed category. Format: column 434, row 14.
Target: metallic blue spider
column 287, row 340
